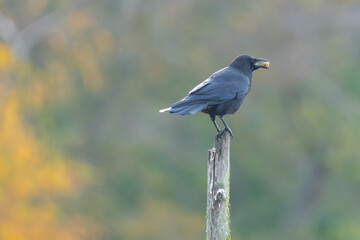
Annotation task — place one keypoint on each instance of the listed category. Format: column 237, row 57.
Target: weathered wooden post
column 218, row 190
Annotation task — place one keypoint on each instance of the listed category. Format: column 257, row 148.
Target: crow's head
column 248, row 63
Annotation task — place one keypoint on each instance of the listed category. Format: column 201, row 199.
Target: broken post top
column 222, row 137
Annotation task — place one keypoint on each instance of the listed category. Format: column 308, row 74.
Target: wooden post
column 218, row 190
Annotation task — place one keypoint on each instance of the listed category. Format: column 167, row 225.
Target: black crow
column 222, row 93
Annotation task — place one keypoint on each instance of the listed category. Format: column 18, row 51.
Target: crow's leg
column 226, row 126
column 213, row 120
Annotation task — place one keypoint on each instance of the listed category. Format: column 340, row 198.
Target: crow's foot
column 222, row 132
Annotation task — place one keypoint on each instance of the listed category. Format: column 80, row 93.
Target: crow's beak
column 263, row 63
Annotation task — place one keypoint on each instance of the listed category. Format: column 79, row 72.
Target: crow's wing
column 208, row 80
column 220, row 87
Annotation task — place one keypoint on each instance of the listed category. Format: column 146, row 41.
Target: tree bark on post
column 218, row 190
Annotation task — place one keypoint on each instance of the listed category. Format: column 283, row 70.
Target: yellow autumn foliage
column 5, row 57
column 32, row 176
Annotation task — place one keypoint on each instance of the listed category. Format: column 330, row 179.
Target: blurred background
column 84, row 153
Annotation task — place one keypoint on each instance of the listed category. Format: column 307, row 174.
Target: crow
column 222, row 93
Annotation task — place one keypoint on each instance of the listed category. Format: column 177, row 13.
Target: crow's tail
column 180, row 108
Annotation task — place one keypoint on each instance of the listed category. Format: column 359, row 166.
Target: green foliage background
column 112, row 65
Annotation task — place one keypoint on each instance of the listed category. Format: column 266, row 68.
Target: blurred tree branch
column 22, row 41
